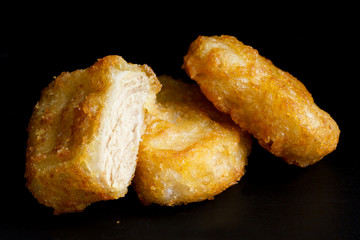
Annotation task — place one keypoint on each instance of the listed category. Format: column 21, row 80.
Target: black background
column 273, row 200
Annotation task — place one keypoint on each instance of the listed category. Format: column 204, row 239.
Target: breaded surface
column 190, row 151
column 262, row 99
column 73, row 154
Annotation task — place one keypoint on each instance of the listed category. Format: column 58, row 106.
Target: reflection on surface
column 272, row 199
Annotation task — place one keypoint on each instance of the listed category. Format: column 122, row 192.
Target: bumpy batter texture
column 190, row 151
column 85, row 131
column 267, row 102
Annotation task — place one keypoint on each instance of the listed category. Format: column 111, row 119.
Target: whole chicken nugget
column 262, row 99
column 190, row 151
column 85, row 131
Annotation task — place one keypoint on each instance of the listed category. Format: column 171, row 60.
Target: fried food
column 85, row 131
column 267, row 102
column 190, row 151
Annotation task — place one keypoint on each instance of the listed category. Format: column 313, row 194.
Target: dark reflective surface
column 273, row 200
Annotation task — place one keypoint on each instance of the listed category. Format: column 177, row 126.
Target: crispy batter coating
column 190, row 151
column 74, row 154
column 262, row 99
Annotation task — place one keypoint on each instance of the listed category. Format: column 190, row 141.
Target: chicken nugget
column 190, row 151
column 267, row 102
column 85, row 131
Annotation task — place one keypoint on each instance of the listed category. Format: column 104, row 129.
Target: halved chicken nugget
column 262, row 99
column 85, row 131
column 190, row 151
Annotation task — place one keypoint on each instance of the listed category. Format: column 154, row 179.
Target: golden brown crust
column 267, row 102
column 61, row 136
column 190, row 151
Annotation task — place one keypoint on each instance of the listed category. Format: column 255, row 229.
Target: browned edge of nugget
column 267, row 102
column 65, row 135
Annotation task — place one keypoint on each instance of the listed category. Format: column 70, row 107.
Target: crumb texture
column 190, row 151
column 269, row 103
column 85, row 131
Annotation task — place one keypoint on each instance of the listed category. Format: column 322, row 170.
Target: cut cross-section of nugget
column 262, row 99
column 85, row 131
column 190, row 151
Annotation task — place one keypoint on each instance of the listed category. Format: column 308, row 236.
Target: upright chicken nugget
column 262, row 99
column 85, row 131
column 190, row 151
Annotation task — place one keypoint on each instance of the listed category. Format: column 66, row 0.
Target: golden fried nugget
column 262, row 99
column 190, row 151
column 85, row 131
